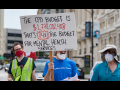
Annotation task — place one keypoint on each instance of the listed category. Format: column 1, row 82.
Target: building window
column 12, row 41
column 80, row 52
column 112, row 21
column 18, row 35
column 11, row 34
column 9, row 47
column 57, row 10
column 14, row 35
column 90, row 49
column 110, row 40
column 62, row 10
column 84, row 50
column 115, row 40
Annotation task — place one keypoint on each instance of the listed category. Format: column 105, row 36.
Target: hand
column 77, row 80
column 50, row 66
column 9, row 79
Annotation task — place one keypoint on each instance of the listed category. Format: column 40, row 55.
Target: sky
column 12, row 17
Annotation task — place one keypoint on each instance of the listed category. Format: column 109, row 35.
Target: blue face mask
column 108, row 57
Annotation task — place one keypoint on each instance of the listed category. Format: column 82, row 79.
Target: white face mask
column 61, row 56
column 108, row 57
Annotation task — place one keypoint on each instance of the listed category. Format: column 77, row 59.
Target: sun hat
column 110, row 47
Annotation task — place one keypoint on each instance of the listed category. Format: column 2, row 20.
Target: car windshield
column 7, row 65
column 39, row 66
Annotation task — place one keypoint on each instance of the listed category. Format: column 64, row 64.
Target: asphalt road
column 3, row 75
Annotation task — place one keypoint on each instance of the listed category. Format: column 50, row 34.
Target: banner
column 49, row 32
column 96, row 29
column 30, row 54
column 88, row 29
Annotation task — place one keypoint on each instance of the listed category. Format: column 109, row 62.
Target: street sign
column 87, row 60
column 2, row 58
column 88, row 29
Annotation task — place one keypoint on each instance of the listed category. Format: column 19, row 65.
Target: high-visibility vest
column 26, row 73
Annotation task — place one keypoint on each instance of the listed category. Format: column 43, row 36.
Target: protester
column 21, row 68
column 109, row 70
column 63, row 67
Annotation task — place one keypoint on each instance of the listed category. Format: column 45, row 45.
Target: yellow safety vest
column 26, row 71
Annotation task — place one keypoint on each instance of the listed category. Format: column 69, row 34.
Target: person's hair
column 15, row 44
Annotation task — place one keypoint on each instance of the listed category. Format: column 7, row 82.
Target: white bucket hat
column 110, row 47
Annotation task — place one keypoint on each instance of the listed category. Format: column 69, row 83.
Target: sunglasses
column 108, row 51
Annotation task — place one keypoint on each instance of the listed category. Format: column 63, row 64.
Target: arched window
column 110, row 40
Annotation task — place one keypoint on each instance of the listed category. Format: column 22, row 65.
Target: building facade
column 1, row 31
column 109, row 20
column 109, row 32
column 11, row 36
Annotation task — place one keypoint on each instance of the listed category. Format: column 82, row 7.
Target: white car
column 91, row 71
column 0, row 67
column 40, row 64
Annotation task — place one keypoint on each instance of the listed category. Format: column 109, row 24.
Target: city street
column 3, row 75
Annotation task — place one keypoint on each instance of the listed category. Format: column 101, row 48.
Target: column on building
column 89, row 15
column 67, row 10
column 76, row 17
column 95, row 13
column 102, row 11
column 83, row 16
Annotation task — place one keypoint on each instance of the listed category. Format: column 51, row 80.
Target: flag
column 31, row 55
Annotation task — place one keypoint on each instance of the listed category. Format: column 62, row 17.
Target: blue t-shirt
column 22, row 63
column 102, row 72
column 62, row 69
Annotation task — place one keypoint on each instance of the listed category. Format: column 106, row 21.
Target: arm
column 50, row 66
column 47, row 76
column 95, row 76
column 33, row 76
column 10, row 76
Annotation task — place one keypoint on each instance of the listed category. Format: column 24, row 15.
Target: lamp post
column 92, row 34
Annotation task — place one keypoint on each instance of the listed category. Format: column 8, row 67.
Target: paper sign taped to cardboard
column 49, row 32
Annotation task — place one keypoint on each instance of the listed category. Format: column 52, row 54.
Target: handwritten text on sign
column 49, row 32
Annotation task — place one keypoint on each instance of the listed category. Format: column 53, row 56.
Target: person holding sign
column 21, row 68
column 63, row 67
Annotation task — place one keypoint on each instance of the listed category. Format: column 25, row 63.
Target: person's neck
column 20, row 58
column 113, row 62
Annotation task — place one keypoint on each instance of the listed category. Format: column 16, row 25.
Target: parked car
column 92, row 70
column 6, row 67
column 81, row 72
column 40, row 64
column 1, row 67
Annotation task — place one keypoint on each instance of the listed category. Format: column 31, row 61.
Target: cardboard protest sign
column 49, row 32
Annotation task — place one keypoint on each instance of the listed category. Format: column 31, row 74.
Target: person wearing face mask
column 21, row 68
column 63, row 67
column 109, row 70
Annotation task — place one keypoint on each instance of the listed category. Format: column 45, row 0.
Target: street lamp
column 92, row 33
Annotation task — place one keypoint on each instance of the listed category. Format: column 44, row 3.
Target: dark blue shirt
column 22, row 63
